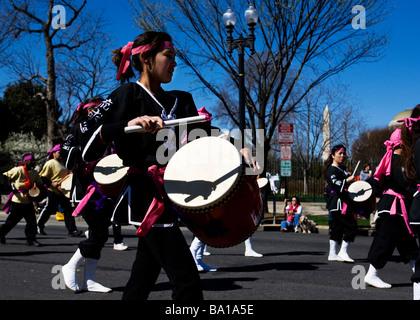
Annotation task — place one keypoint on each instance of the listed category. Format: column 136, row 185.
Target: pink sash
column 157, row 206
column 403, row 208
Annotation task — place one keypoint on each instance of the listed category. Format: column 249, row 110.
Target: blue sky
column 380, row 90
column 384, row 88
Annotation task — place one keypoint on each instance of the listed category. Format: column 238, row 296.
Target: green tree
column 23, row 109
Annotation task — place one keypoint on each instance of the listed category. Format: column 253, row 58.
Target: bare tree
column 301, row 42
column 59, row 26
column 308, row 119
column 369, row 147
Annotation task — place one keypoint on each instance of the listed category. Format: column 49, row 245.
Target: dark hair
column 297, row 199
column 329, row 161
column 153, row 38
column 408, row 140
column 82, row 114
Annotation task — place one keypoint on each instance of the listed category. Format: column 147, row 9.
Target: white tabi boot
column 343, row 252
column 89, row 283
column 416, row 285
column 249, row 252
column 332, row 256
column 194, row 248
column 199, row 260
column 373, row 279
column 69, row 271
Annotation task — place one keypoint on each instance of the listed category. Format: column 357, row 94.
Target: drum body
column 110, row 174
column 206, row 183
column 65, row 185
column 361, row 193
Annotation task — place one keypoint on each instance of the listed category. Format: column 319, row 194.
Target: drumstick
column 168, row 123
column 354, row 172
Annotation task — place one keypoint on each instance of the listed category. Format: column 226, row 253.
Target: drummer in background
column 410, row 135
column 344, row 219
column 161, row 243
column 96, row 215
column 19, row 205
column 392, row 226
column 52, row 174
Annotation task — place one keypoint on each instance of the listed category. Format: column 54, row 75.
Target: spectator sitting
column 292, row 212
column 366, row 173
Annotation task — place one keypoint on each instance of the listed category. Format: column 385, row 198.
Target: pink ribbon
column 393, row 210
column 6, row 206
column 89, row 192
column 409, row 122
column 384, row 167
column 157, row 206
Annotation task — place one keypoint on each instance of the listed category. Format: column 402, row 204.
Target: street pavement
column 294, row 268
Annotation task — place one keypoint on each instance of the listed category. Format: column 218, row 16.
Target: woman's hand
column 247, row 154
column 150, row 124
column 350, row 179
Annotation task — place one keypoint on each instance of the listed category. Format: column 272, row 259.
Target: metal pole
column 241, row 80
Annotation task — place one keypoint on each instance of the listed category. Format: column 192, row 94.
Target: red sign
column 285, row 133
column 285, row 152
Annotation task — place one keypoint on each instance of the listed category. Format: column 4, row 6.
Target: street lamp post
column 229, row 20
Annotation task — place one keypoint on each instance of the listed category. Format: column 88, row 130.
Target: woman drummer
column 344, row 223
column 145, row 103
column 392, row 226
column 96, row 216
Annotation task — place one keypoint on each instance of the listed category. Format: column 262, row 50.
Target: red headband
column 87, row 105
column 128, row 51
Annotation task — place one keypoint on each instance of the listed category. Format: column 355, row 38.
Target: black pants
column 343, row 226
column 391, row 233
column 164, row 248
column 53, row 200
column 17, row 212
column 98, row 222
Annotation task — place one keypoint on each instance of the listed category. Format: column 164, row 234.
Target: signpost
column 285, row 139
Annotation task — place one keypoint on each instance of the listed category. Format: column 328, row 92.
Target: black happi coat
column 137, row 150
column 336, row 191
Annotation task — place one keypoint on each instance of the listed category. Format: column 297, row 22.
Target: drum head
column 34, row 192
column 360, row 191
column 65, row 185
column 109, row 170
column 202, row 173
column 262, row 182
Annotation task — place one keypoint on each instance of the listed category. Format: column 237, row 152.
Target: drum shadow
column 107, row 170
column 196, row 188
column 279, row 266
column 213, row 284
column 295, row 253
